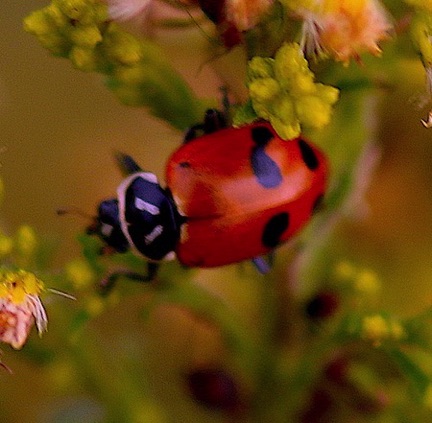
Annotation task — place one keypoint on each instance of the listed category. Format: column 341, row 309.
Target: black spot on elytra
column 261, row 135
column 263, row 166
column 185, row 164
column 274, row 229
column 308, row 155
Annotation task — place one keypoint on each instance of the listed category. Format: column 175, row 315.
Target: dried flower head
column 20, row 306
column 344, row 28
column 245, row 14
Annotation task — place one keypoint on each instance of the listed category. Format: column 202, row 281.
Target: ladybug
column 231, row 194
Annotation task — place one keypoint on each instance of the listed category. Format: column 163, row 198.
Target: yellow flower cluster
column 363, row 281
column 282, row 90
column 16, row 285
column 377, row 329
column 137, row 71
column 71, row 28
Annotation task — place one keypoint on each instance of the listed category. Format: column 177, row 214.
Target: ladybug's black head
column 107, row 226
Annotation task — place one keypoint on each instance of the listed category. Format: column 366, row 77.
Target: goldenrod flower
column 284, row 92
column 20, row 307
column 344, row 28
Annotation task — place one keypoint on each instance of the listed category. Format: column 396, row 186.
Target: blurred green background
column 59, row 128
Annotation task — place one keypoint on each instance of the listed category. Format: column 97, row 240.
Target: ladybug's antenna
column 74, row 211
column 126, row 163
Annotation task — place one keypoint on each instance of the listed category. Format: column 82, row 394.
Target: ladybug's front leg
column 214, row 120
column 107, row 283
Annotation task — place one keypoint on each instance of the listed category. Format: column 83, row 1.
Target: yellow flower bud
column 74, row 9
column 262, row 109
column 95, row 306
column 263, row 89
column 327, row 93
column 133, row 75
column 79, row 273
column 37, row 23
column 122, row 46
column 260, row 67
column 284, row 110
column 84, row 58
column 367, row 282
column 56, row 16
column 397, row 331
column 86, row 35
column 285, row 130
column 312, row 111
column 55, row 43
column 6, row 245
column 344, row 270
column 26, row 241
column 289, row 60
column 375, row 329
column 302, row 84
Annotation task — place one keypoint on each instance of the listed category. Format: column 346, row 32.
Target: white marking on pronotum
column 150, row 177
column 153, row 234
column 140, row 204
column 121, row 196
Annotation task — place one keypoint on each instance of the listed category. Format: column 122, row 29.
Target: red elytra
column 243, row 191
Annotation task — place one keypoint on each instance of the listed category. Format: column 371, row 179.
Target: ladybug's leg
column 107, row 283
column 214, row 120
column 193, row 132
column 262, row 265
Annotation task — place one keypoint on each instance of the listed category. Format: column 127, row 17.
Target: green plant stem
column 107, row 380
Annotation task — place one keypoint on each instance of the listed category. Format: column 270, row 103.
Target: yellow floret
column 26, row 240
column 375, row 329
column 80, row 274
column 84, row 59
column 263, row 89
column 86, row 35
column 38, row 23
column 312, row 111
column 260, row 67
